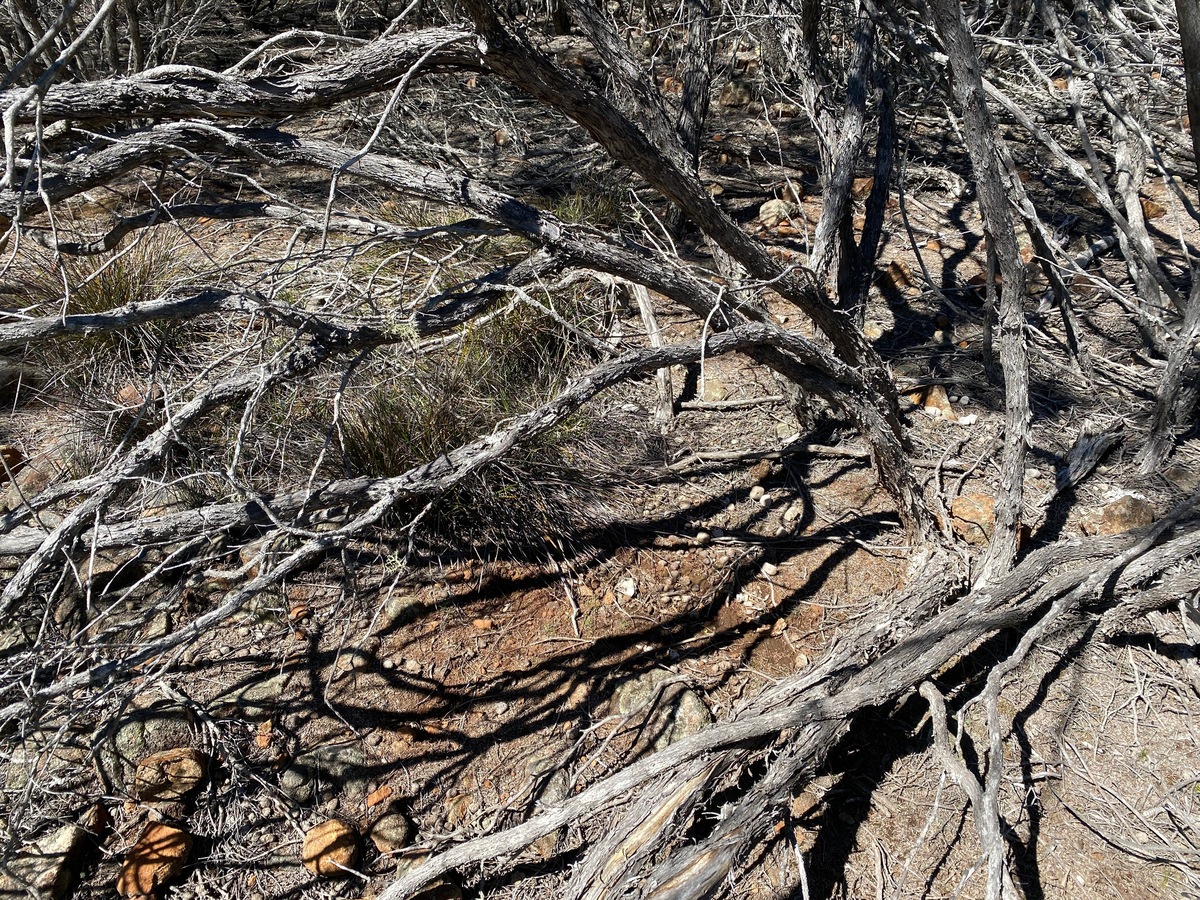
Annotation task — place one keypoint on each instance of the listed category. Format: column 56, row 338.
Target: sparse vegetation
column 668, row 450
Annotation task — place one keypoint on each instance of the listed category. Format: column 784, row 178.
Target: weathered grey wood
column 179, row 92
column 981, row 139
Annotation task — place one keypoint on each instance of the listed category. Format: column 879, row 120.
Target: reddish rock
column 1125, row 514
column 159, row 856
column 330, row 848
column 1152, row 209
column 973, row 516
column 171, row 774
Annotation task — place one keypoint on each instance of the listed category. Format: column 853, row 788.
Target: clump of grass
column 498, row 370
column 601, row 202
column 81, row 285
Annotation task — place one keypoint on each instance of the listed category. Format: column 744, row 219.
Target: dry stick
column 694, row 870
column 17, row 100
column 664, row 410
column 14, row 334
column 982, row 141
column 1129, row 160
column 1146, row 254
column 1189, row 36
column 987, row 826
column 868, row 399
column 834, row 241
column 48, row 37
column 1177, row 392
column 987, row 811
column 297, row 217
column 149, row 451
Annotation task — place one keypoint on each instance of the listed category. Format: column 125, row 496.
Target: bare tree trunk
column 981, row 140
column 1189, row 35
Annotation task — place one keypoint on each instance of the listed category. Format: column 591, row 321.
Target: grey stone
column 170, row 775
column 47, row 866
column 391, row 832
column 149, row 724
column 398, row 609
column 18, row 635
column 340, row 767
column 555, row 791
column 159, row 626
column 46, row 760
column 1183, row 476
column 669, row 714
column 297, row 784
column 256, row 699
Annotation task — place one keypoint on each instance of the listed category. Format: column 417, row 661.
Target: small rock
column 1125, row 514
column 672, row 713
column 1152, row 209
column 792, row 513
column 736, row 93
column 555, row 791
column 771, row 213
column 254, row 700
column 896, row 277
column 873, row 331
column 482, row 624
column 108, row 570
column 757, row 492
column 457, row 807
column 760, row 471
column 159, row 626
column 714, row 390
column 861, row 188
column 330, row 848
column 133, row 396
column 1183, row 476
column 171, row 774
column 934, row 401
column 49, row 865
column 341, row 766
column 391, row 832
column 149, row 725
column 770, row 569
column 410, row 666
column 159, row 856
column 398, row 609
column 627, row 587
column 973, row 516
column 30, row 481
column 702, row 538
column 379, row 795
